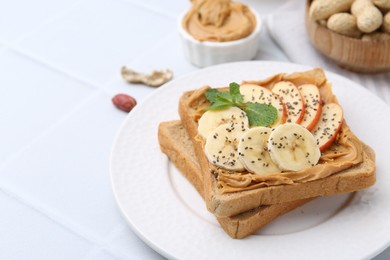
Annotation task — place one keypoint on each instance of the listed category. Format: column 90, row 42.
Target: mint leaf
column 219, row 106
column 260, row 114
column 218, row 99
column 234, row 90
column 224, row 97
column 211, row 95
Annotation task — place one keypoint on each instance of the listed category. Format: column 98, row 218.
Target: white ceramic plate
column 168, row 214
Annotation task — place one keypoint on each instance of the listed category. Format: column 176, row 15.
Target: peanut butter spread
column 345, row 152
column 219, row 20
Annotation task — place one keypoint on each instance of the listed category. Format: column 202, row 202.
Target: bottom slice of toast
column 176, row 144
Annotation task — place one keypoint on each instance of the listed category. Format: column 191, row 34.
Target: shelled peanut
column 323, row 9
column 368, row 16
column 366, row 19
column 376, row 36
column 384, row 4
column 344, row 23
column 386, row 23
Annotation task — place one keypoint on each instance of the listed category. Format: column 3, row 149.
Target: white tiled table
column 59, row 68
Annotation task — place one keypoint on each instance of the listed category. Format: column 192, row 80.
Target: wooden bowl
column 350, row 53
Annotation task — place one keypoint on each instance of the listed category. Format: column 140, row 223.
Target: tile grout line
column 66, row 73
column 5, row 48
column 139, row 57
column 46, row 22
column 52, row 66
column 114, row 231
column 156, row 46
column 5, row 44
column 99, row 243
column 49, row 129
column 56, row 219
column 150, row 8
column 95, row 251
column 13, row 47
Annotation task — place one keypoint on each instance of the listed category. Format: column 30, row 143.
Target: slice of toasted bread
column 348, row 179
column 176, row 144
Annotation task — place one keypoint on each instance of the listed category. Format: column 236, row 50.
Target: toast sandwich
column 176, row 144
column 341, row 164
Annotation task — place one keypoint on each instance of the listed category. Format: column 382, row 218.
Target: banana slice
column 253, row 151
column 221, row 145
column 293, row 148
column 258, row 94
column 212, row 119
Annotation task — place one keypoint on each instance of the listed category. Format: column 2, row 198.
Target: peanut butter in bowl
column 219, row 20
column 219, row 31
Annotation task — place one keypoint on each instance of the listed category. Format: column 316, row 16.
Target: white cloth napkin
column 287, row 27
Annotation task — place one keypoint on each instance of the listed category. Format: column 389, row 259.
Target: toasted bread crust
column 175, row 143
column 356, row 178
column 249, row 222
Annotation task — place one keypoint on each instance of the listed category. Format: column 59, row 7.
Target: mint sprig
column 234, row 91
column 258, row 114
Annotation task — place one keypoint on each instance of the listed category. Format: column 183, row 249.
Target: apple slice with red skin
column 292, row 99
column 313, row 105
column 282, row 111
column 258, row 94
column 328, row 126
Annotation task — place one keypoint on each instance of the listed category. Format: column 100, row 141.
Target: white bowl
column 205, row 53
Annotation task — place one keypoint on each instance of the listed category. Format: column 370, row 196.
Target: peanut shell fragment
column 155, row 79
